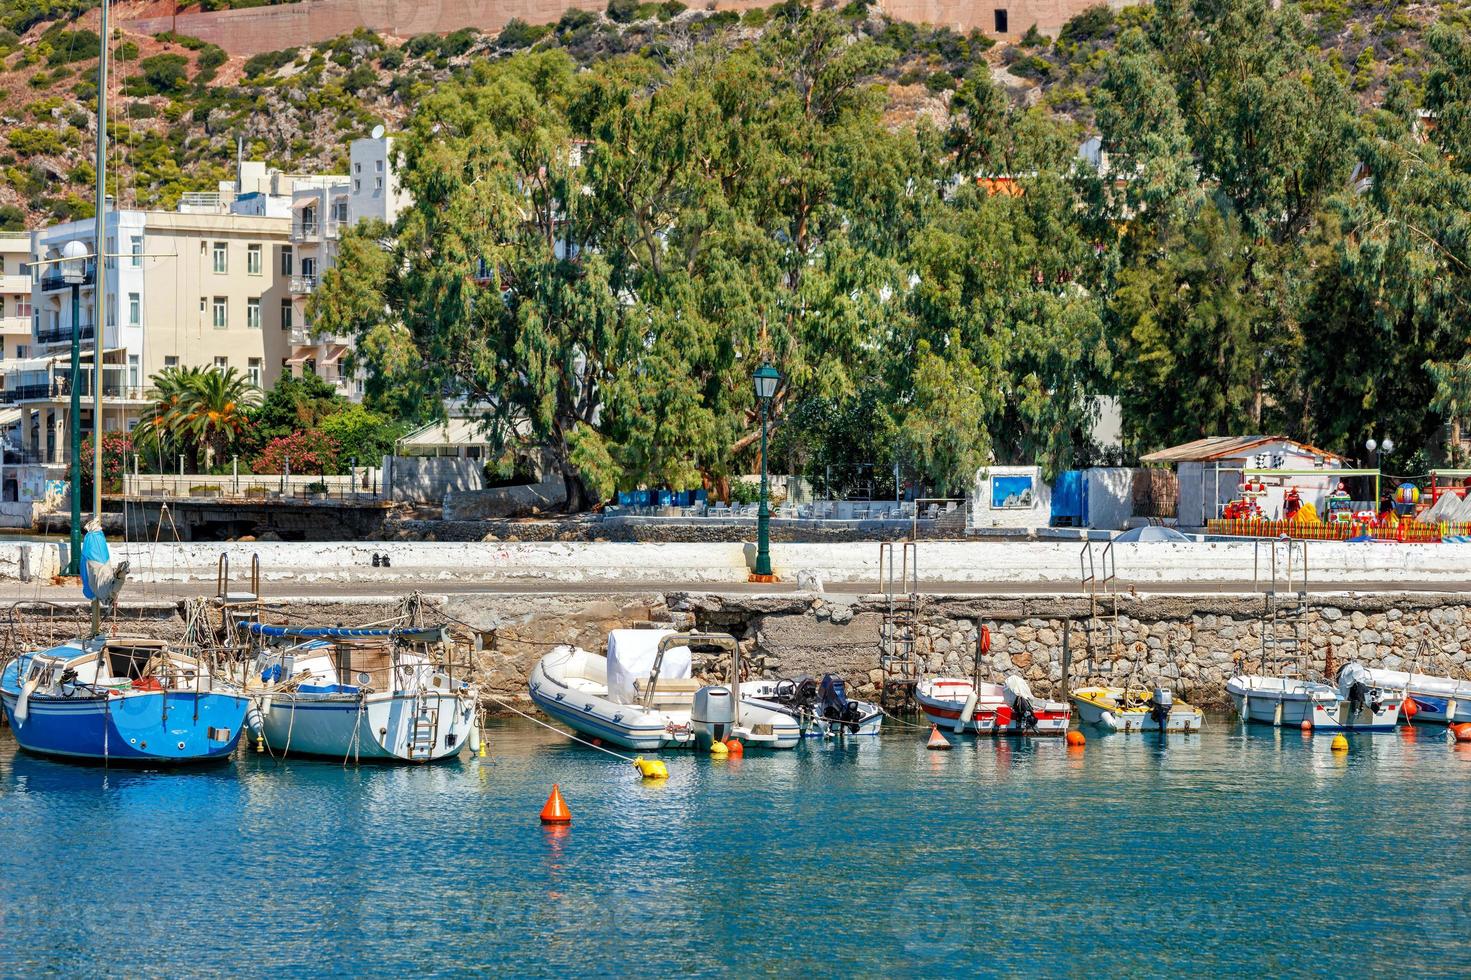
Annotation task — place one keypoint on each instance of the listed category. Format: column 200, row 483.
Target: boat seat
column 670, row 685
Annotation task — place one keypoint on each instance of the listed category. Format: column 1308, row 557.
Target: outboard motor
column 835, row 707
column 1355, row 685
column 1161, row 703
column 1019, row 693
column 712, row 714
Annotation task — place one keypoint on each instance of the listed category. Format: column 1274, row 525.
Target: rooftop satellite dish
column 378, row 132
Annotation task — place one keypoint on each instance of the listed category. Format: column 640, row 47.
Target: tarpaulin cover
column 631, row 655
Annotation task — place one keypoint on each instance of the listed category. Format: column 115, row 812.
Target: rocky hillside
column 178, row 105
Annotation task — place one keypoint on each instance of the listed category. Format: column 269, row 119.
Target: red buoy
column 937, row 741
column 555, row 811
column 1409, row 709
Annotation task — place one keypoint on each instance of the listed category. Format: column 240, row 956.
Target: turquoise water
column 1227, row 851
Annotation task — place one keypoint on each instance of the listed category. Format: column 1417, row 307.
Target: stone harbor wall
column 1194, row 642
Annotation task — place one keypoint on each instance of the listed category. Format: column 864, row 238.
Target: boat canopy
column 415, row 634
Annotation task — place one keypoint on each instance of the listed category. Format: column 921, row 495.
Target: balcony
column 315, row 230
column 51, row 279
column 303, row 285
column 59, row 388
column 63, row 335
column 15, row 285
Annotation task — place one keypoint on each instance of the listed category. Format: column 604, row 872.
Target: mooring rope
column 553, row 728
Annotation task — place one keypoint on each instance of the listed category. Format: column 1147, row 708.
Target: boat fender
column 475, row 739
column 651, row 768
column 23, row 703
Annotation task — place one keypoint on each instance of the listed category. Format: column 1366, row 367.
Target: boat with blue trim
column 390, row 694
column 116, row 700
column 1436, row 699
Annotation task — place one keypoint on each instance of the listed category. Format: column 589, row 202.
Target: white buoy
column 475, row 739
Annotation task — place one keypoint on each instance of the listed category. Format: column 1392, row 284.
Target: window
column 222, row 363
column 308, row 268
column 23, row 306
column 2, row 265
column 252, row 260
column 286, row 260
column 221, row 258
column 252, row 313
column 135, row 247
column 1001, row 24
column 20, row 350
column 380, row 165
column 357, row 186
column 134, row 369
column 252, row 371
column 111, row 311
column 357, row 168
column 221, row 319
column 135, row 309
column 170, row 360
column 377, row 183
column 286, row 317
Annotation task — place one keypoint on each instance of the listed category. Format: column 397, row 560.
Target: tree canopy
column 596, row 261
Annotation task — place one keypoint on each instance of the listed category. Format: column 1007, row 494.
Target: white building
column 1211, row 471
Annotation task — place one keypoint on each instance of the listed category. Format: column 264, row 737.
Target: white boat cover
column 1017, row 686
column 631, row 655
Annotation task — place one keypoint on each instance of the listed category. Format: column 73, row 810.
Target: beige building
column 15, row 294
column 183, row 289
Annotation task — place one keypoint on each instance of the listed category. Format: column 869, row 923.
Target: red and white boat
column 959, row 704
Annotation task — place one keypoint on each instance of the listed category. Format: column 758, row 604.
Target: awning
column 334, row 353
column 1216, row 448
column 421, row 634
column 8, row 417
column 300, row 355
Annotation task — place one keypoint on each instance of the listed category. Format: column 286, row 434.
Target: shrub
column 70, row 46
column 164, row 73
column 211, row 56
column 458, row 43
column 1094, row 24
column 573, row 19
column 940, row 81
column 127, row 51
column 30, row 141
column 622, row 11
column 12, row 218
column 268, row 62
column 519, row 34
column 142, row 110
column 306, row 452
column 670, row 9
column 391, row 60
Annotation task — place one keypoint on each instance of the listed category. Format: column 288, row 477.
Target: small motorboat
column 1437, row 700
column 822, row 708
column 641, row 695
column 1118, row 709
column 1356, row 704
column 381, row 694
column 600, row 696
column 963, row 705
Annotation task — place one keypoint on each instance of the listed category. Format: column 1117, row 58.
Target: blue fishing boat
column 101, row 698
column 115, row 700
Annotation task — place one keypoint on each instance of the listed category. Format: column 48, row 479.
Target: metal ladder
column 1284, row 604
column 899, row 631
column 421, row 731
column 1097, row 575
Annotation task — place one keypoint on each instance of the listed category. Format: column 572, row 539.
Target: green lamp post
column 767, row 378
column 74, row 274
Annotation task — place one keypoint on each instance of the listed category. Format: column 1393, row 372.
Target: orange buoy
column 937, row 741
column 1462, row 731
column 1076, row 738
column 1307, row 726
column 556, row 809
column 1409, row 709
column 734, row 747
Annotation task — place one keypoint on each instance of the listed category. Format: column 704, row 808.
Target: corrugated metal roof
column 451, row 432
column 1214, row 448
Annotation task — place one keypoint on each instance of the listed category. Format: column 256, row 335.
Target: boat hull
column 624, row 725
column 990, row 714
column 1183, row 718
column 140, row 727
column 760, row 727
column 378, row 728
column 1437, row 700
column 1295, row 703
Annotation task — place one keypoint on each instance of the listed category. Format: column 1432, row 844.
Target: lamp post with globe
column 766, row 378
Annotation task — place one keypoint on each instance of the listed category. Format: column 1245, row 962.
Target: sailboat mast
column 100, row 276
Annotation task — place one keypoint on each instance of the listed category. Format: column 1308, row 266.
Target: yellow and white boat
column 1117, row 709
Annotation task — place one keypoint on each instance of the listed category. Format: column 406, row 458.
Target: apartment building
column 15, row 294
column 183, row 289
column 319, row 214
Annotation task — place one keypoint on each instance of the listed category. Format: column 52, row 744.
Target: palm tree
column 216, row 409
column 197, row 409
column 161, row 427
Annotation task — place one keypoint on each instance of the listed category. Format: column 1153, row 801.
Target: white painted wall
column 1044, row 564
column 985, row 515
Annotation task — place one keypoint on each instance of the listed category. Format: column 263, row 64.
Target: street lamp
column 766, row 378
column 1387, row 446
column 74, row 274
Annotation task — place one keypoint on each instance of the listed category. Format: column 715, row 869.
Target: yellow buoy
column 718, row 750
column 651, row 768
column 1340, row 744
